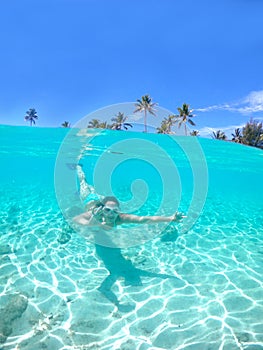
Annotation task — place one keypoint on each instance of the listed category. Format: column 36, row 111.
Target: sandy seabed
column 201, row 290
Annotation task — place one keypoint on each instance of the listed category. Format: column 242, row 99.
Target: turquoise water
column 200, row 288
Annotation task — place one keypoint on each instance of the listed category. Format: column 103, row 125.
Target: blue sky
column 67, row 58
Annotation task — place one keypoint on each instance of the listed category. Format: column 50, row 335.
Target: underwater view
column 196, row 284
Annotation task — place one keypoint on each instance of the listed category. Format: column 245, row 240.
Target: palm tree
column 237, row 136
column 163, row 128
column 166, row 125
column 104, row 125
column 31, row 116
column 252, row 133
column 219, row 135
column 119, row 122
column 170, row 121
column 94, row 124
column 98, row 124
column 65, row 124
column 194, row 133
column 145, row 105
column 184, row 116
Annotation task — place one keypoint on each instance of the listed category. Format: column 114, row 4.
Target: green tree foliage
column 98, row 124
column 237, row 136
column 147, row 106
column 31, row 116
column 104, row 125
column 219, row 135
column 194, row 133
column 185, row 116
column 163, row 128
column 119, row 122
column 94, row 123
column 252, row 133
column 166, row 125
column 65, row 124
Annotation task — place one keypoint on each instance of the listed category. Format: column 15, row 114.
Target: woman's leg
column 85, row 188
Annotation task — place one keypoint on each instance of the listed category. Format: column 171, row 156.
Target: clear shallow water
column 199, row 290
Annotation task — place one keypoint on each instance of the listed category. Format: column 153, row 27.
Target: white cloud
column 228, row 130
column 252, row 103
column 206, row 131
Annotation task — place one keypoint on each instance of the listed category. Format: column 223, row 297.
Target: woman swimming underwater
column 106, row 212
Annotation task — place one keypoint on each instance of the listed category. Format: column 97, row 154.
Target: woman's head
column 111, row 207
column 110, row 199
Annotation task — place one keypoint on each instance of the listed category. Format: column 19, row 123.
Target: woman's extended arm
column 136, row 219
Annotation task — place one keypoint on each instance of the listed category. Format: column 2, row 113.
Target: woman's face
column 111, row 210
